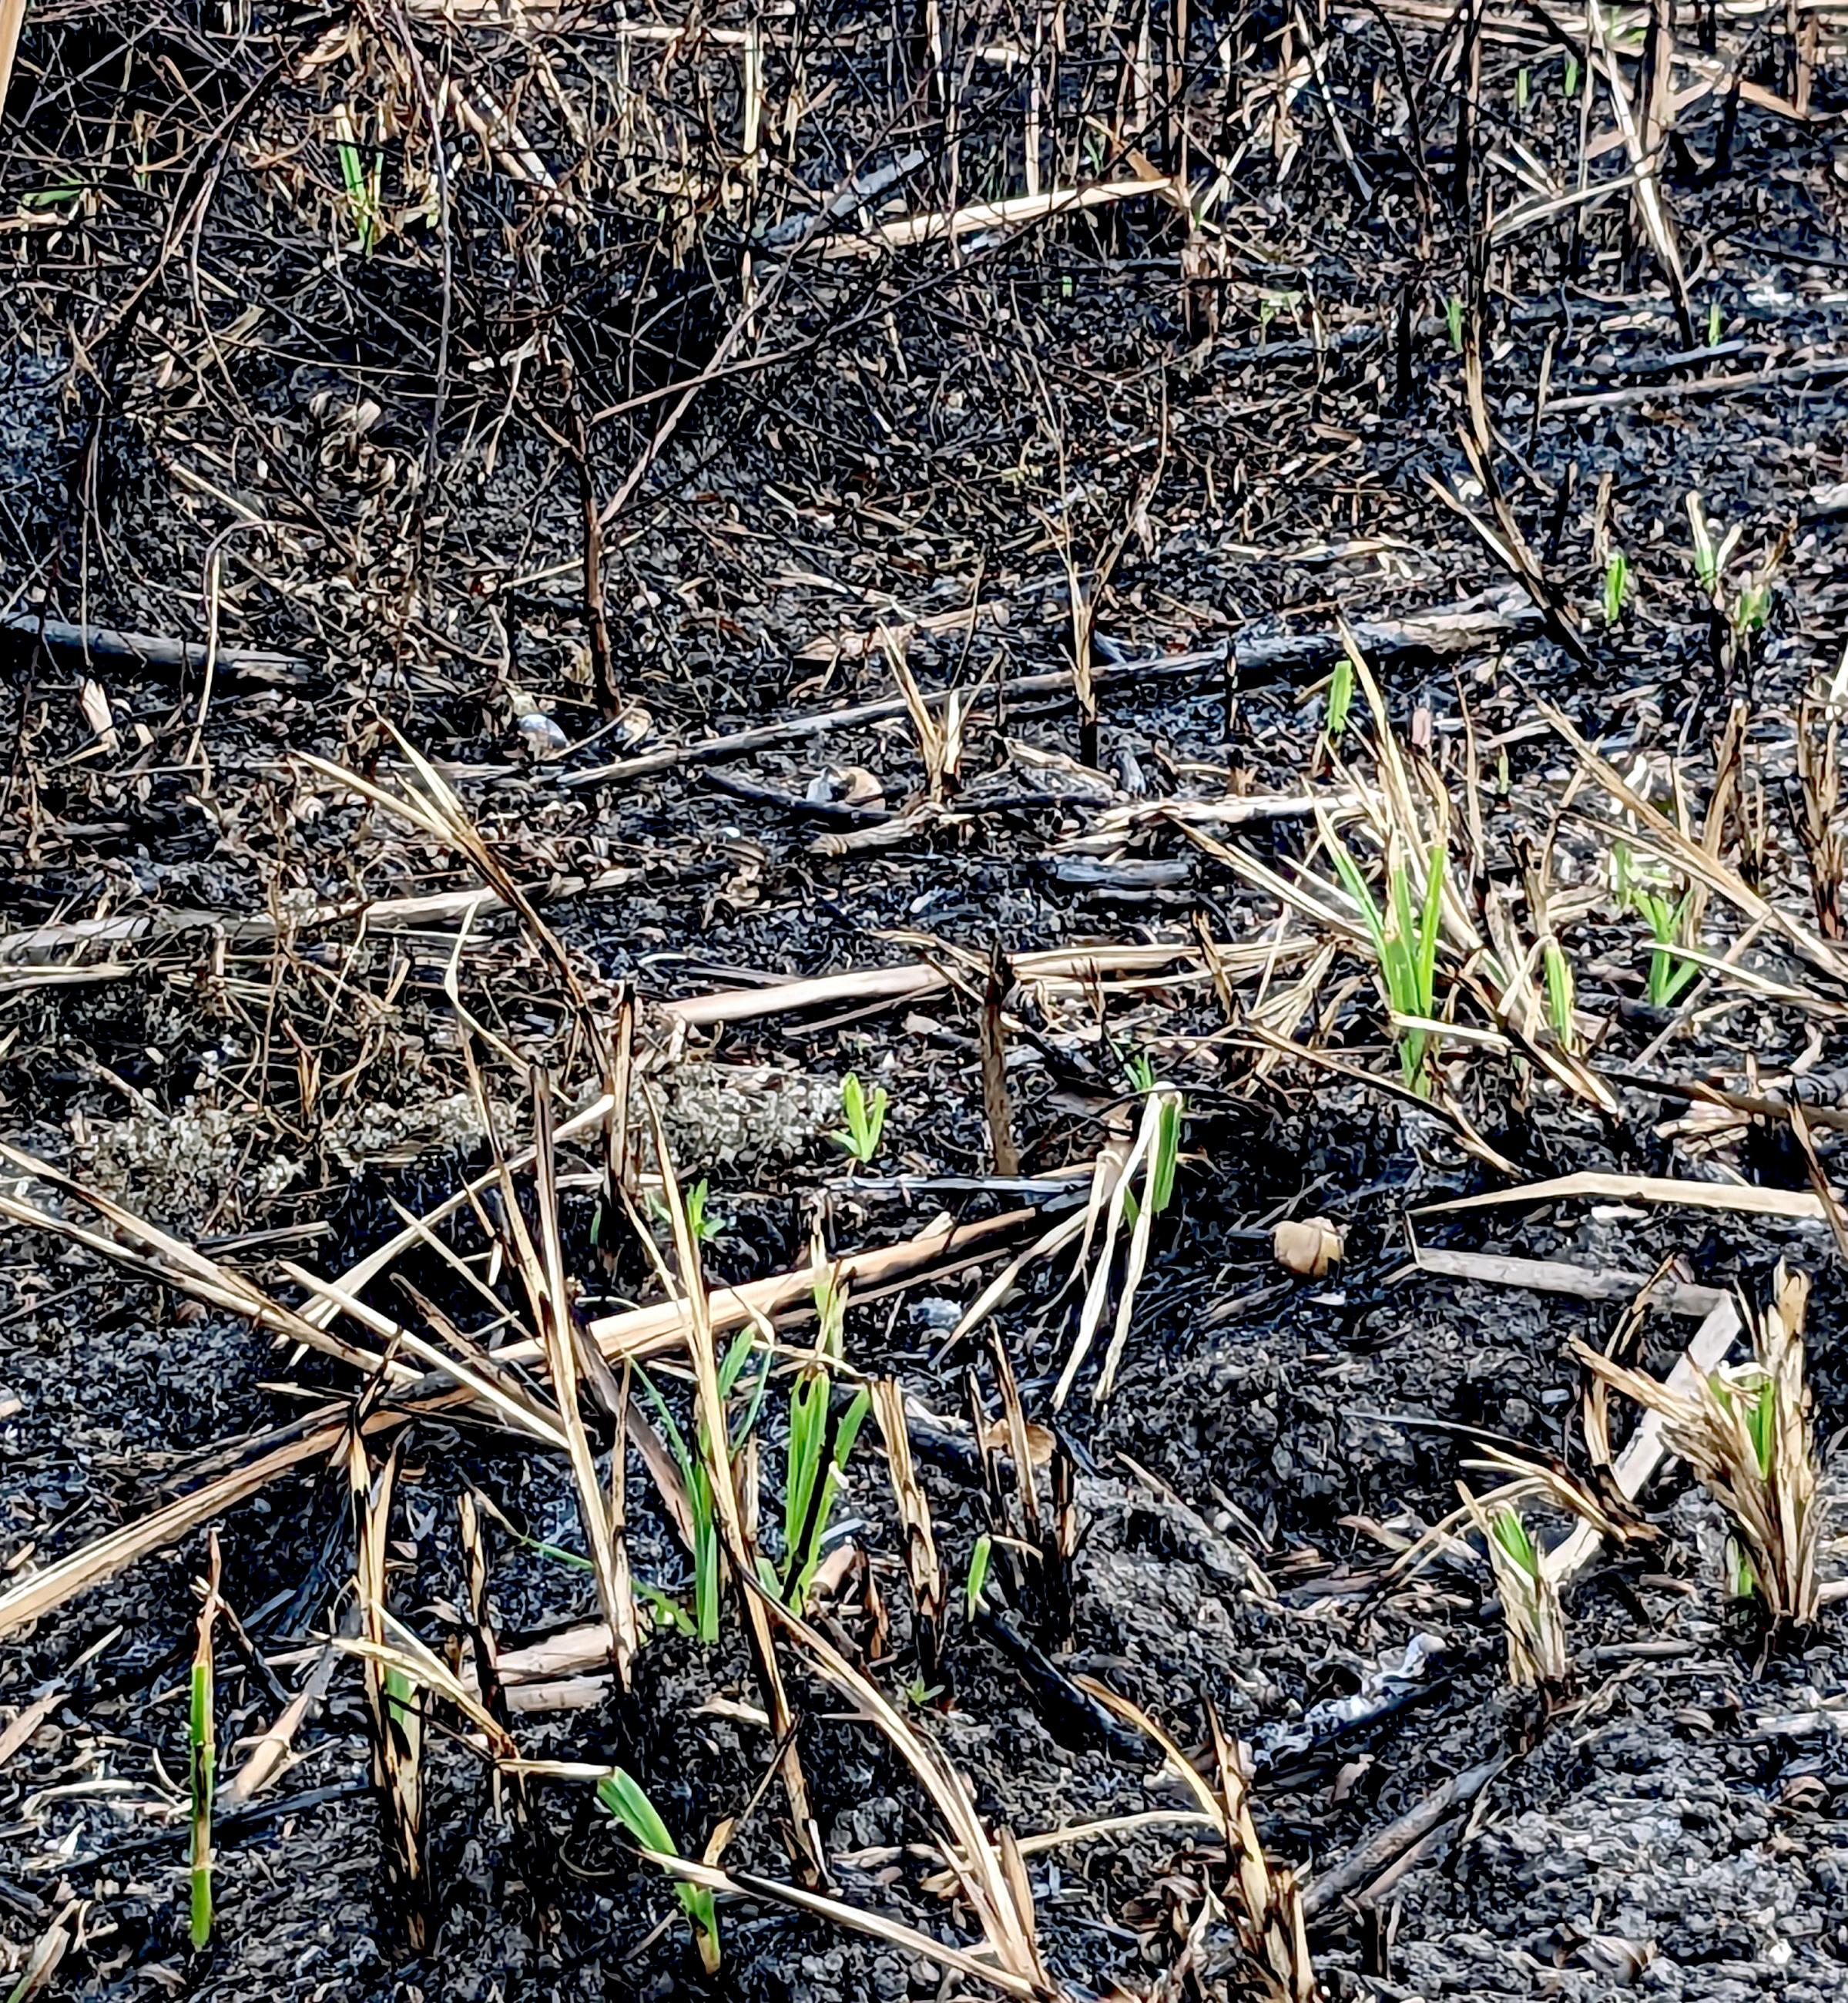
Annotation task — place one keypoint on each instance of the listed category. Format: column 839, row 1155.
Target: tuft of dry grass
column 1746, row 1433
column 1264, row 1899
column 1532, row 1619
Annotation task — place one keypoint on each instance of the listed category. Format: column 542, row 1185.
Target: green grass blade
column 624, row 1798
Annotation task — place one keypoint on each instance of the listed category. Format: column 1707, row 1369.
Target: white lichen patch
column 373, row 1133
column 736, row 1116
column 183, row 1167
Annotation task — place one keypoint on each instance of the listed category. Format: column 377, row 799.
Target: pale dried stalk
column 994, row 1888
column 550, row 1295
column 939, row 743
column 1269, row 1909
column 921, row 1564
column 397, row 1723
column 1110, row 1194
column 1818, row 826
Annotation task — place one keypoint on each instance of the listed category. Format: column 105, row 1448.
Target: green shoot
column 1752, row 609
column 202, row 1772
column 1271, row 304
column 865, row 1119
column 1571, row 74
column 1560, row 995
column 1523, row 89
column 1616, row 586
column 1453, row 319
column 1715, row 325
column 815, row 1464
column 1511, row 1534
column 697, row 1481
column 979, row 1559
column 1340, row 699
column 361, row 188
column 1669, row 923
column 707, row 1226
column 1710, row 558
column 1406, row 956
column 623, row 1796
column 1139, row 1068
column 1533, row 1624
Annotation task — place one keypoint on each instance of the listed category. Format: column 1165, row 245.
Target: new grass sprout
column 623, row 1796
column 1560, row 993
column 697, row 1480
column 865, row 1119
column 1670, row 920
column 361, row 186
column 980, row 1557
column 705, row 1224
column 1340, row 699
column 1404, row 939
column 201, row 1780
column 817, row 1464
column 1140, row 1069
column 1616, row 586
column 1711, row 556
column 1533, row 1621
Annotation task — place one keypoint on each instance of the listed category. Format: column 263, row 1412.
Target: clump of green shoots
column 1616, row 586
column 816, row 1461
column 1165, row 1157
column 1671, row 921
column 865, row 1119
column 696, row 1477
column 624, row 1797
column 1715, row 324
column 1404, row 939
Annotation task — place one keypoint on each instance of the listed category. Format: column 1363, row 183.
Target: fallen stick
column 1445, row 629
column 386, row 915
column 936, row 225
column 1380, row 1849
column 918, row 977
column 1560, row 1276
column 88, row 645
column 1706, row 385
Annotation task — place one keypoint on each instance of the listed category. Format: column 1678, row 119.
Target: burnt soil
column 272, row 1082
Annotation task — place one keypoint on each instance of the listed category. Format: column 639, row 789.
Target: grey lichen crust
column 737, row 1116
column 185, row 1166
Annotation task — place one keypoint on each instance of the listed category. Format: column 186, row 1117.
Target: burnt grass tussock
column 861, row 870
